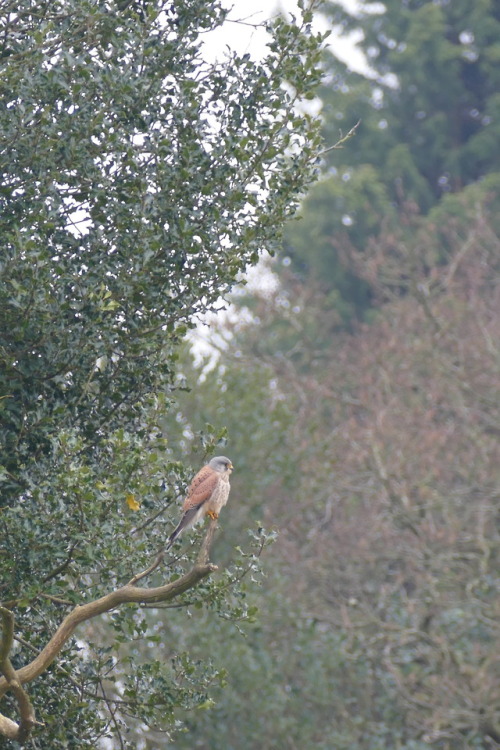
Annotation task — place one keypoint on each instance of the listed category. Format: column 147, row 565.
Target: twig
column 149, row 520
column 112, row 713
column 342, row 140
column 62, row 567
column 147, row 571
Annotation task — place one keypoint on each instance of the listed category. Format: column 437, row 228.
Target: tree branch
column 157, row 562
column 343, row 138
column 9, row 728
column 13, row 680
column 207, row 543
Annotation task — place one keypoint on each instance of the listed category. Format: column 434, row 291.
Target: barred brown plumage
column 206, row 495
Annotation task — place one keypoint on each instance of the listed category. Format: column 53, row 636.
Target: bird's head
column 221, row 464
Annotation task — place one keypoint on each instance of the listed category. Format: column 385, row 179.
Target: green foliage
column 138, row 180
column 105, row 247
column 428, row 107
column 433, row 86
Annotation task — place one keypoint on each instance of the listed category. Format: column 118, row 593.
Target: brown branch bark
column 13, row 680
column 20, row 731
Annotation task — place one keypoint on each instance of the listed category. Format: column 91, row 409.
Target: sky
column 244, row 38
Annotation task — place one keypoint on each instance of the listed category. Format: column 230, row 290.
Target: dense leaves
column 139, row 178
column 137, row 181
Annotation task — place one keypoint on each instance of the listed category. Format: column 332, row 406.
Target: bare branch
column 207, row 543
column 7, row 634
column 343, row 139
column 159, row 559
column 8, row 728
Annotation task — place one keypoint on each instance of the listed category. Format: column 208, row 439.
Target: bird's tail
column 173, row 536
column 185, row 521
column 170, row 541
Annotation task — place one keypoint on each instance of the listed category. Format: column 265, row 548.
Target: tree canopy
column 139, row 178
column 428, row 105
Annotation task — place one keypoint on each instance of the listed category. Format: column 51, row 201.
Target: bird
column 206, row 495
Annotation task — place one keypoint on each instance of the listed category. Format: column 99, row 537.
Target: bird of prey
column 206, row 495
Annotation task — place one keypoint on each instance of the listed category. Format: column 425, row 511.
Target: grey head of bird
column 221, row 464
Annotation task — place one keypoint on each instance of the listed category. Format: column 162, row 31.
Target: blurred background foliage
column 427, row 102
column 378, row 463
column 361, row 399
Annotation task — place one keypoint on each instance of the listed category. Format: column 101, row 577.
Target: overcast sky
column 244, row 38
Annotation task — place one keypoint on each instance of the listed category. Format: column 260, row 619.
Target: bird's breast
column 219, row 496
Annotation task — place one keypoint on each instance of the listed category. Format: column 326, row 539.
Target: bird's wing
column 201, row 488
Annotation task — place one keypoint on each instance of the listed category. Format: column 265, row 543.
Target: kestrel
column 206, row 495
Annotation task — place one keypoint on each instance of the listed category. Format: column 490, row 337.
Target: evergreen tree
column 434, row 94
column 138, row 180
column 430, row 121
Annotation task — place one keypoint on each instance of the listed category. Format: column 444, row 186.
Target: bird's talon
column 213, row 515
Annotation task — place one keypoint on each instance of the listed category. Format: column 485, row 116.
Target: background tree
column 433, row 94
column 428, row 107
column 378, row 624
column 138, row 180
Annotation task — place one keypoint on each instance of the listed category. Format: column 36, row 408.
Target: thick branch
column 7, row 634
column 207, row 543
column 123, row 595
column 27, row 715
column 8, row 728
